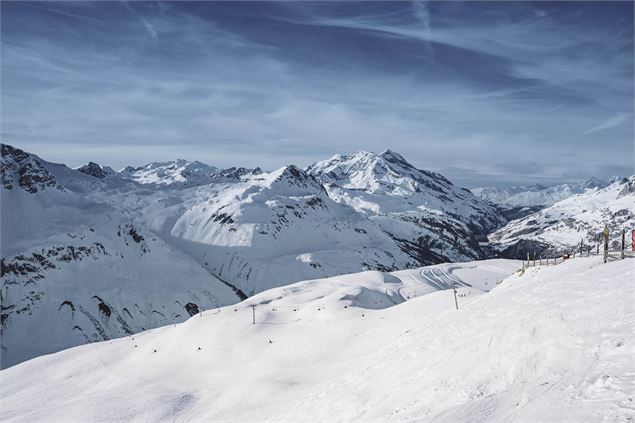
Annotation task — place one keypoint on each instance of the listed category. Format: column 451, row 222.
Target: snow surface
column 548, row 344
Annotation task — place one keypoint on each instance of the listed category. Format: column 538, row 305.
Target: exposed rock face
column 25, row 171
column 93, row 169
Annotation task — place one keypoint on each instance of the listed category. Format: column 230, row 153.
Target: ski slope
column 551, row 344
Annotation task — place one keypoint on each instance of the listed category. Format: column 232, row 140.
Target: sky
column 486, row 93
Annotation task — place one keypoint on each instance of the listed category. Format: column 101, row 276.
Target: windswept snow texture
column 537, row 195
column 575, row 220
column 547, row 344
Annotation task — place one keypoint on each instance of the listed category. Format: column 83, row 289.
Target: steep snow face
column 431, row 219
column 579, row 218
column 270, row 229
column 76, row 270
column 535, row 348
column 537, row 195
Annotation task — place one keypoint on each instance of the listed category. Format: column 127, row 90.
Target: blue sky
column 483, row 92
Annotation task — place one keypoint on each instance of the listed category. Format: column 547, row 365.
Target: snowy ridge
column 532, row 349
column 181, row 172
column 568, row 223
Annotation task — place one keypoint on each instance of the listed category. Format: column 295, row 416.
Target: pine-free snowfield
column 551, row 344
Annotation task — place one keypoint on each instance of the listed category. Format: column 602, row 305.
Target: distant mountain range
column 573, row 223
column 537, row 195
column 92, row 253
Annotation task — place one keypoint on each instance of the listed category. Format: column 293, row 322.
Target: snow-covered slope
column 550, row 344
column 75, row 270
column 537, row 195
column 567, row 223
column 429, row 217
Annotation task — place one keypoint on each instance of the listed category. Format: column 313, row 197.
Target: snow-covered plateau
column 544, row 344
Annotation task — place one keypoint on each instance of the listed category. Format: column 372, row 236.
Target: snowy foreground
column 550, row 344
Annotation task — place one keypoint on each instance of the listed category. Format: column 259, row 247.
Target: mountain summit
column 386, row 171
column 430, row 218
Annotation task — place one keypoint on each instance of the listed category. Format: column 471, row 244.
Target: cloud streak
column 146, row 24
column 611, row 122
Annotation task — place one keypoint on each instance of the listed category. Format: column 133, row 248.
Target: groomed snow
column 550, row 344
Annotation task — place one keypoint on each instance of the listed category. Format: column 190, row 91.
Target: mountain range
column 537, row 194
column 91, row 253
column 575, row 223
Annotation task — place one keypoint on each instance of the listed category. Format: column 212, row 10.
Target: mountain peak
column 393, row 156
column 294, row 176
column 96, row 170
column 371, row 171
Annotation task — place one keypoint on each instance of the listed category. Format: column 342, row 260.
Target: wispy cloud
column 611, row 122
column 146, row 24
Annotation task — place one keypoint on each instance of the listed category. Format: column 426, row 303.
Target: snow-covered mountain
column 567, row 223
column 182, row 173
column 176, row 172
column 77, row 270
column 268, row 230
column 550, row 344
column 89, row 246
column 537, row 195
column 430, row 218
